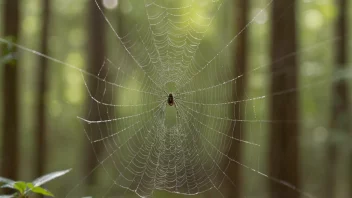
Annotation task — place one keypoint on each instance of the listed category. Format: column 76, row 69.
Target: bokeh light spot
column 313, row 19
column 110, row 4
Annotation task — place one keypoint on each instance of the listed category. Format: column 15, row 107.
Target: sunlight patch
column 262, row 17
column 30, row 25
column 75, row 59
column 110, row 4
column 313, row 19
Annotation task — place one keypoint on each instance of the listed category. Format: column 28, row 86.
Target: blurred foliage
column 24, row 190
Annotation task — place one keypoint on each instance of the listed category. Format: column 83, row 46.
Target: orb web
column 142, row 152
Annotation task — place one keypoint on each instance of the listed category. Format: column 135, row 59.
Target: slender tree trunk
column 42, row 88
column 10, row 160
column 283, row 160
column 240, row 67
column 96, row 53
column 341, row 116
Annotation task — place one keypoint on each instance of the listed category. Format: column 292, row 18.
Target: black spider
column 170, row 100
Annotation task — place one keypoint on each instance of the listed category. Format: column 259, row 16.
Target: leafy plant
column 24, row 189
column 9, row 51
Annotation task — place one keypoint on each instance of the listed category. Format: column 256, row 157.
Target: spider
column 170, row 100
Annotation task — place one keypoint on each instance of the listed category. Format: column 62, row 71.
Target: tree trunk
column 240, row 65
column 42, row 88
column 283, row 160
column 10, row 160
column 340, row 104
column 96, row 54
column 120, row 24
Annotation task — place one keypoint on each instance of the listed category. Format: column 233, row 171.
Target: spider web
column 142, row 144
column 143, row 152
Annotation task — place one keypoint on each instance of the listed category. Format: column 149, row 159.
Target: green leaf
column 20, row 186
column 46, row 178
column 7, row 59
column 30, row 185
column 39, row 190
column 10, row 50
column 6, row 180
